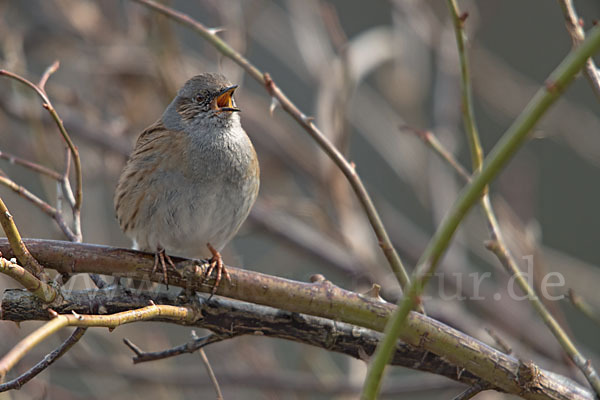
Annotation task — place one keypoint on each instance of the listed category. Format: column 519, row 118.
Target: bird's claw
column 216, row 263
column 162, row 258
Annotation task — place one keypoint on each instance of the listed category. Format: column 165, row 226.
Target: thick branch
column 318, row 299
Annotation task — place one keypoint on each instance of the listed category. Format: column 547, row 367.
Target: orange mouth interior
column 225, row 99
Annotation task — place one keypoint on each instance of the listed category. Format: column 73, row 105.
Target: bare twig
column 64, row 187
column 471, row 392
column 465, row 83
column 499, row 341
column 194, row 345
column 432, row 141
column 41, row 204
column 211, row 374
column 31, row 165
column 17, row 245
column 306, row 122
column 66, row 184
column 40, row 289
column 46, row 75
column 47, row 104
column 575, row 28
column 22, row 379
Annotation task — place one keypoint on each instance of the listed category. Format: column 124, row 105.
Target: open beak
column 224, row 101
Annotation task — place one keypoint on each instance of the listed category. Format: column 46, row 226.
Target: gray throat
column 223, row 152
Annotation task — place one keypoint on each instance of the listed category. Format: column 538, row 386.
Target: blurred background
column 372, row 74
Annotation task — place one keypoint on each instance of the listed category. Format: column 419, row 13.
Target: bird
column 191, row 179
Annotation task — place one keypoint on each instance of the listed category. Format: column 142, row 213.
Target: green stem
column 497, row 245
column 467, row 97
column 510, row 142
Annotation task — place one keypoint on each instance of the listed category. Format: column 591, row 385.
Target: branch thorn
column 273, row 105
column 214, row 31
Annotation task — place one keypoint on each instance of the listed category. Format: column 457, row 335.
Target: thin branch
column 27, row 195
column 41, row 204
column 211, row 374
column 499, row 341
column 47, row 104
column 575, row 28
column 64, row 187
column 18, row 247
column 433, row 142
column 470, row 392
column 46, row 75
column 40, row 289
column 31, row 165
column 584, row 307
column 465, row 84
column 18, row 382
column 66, row 184
column 190, row 347
column 107, row 321
column 306, row 122
column 510, row 142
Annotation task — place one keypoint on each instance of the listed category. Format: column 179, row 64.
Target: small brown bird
column 192, row 178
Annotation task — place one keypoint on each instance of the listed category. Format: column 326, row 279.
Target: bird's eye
column 199, row 98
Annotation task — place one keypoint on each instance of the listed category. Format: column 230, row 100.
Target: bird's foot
column 162, row 258
column 216, row 263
